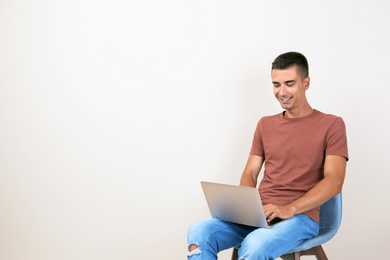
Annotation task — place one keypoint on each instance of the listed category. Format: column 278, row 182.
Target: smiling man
column 304, row 153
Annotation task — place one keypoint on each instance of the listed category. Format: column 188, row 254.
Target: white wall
column 112, row 112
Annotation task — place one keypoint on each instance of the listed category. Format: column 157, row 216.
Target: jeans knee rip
column 195, row 251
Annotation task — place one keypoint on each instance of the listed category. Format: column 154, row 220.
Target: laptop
column 237, row 204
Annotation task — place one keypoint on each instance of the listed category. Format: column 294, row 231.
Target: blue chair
column 330, row 220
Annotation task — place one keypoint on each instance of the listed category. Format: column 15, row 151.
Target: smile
column 285, row 99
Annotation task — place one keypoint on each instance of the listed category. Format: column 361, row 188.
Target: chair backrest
column 330, row 216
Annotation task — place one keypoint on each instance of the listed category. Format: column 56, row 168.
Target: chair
column 330, row 220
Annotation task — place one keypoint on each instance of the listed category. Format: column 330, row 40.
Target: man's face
column 289, row 88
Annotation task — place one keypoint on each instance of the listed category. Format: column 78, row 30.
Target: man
column 304, row 152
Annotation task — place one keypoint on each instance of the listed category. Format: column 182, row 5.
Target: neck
column 295, row 114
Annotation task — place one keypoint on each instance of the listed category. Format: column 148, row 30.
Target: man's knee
column 254, row 248
column 193, row 250
column 193, row 239
column 193, row 247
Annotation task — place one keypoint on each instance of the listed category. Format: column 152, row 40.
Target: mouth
column 285, row 99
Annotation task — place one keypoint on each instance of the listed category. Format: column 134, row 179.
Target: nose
column 282, row 90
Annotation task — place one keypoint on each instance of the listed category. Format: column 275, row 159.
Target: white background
column 112, row 112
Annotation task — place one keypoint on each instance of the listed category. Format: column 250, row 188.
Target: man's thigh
column 280, row 238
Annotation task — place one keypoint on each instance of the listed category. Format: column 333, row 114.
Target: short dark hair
column 288, row 59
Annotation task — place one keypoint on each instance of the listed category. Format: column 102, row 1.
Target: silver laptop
column 236, row 204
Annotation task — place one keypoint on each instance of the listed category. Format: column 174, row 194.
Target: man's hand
column 274, row 211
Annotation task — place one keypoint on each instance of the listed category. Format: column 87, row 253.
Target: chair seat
column 323, row 236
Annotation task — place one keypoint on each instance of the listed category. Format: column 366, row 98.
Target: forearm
column 334, row 174
column 318, row 195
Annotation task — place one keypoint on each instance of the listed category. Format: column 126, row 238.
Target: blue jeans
column 214, row 235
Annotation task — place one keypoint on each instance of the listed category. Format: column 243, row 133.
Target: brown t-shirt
column 294, row 151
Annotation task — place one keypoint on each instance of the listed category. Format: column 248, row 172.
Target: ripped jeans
column 214, row 235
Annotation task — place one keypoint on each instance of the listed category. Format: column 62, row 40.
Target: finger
column 271, row 217
column 268, row 213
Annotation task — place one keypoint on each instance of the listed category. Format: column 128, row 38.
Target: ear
column 306, row 83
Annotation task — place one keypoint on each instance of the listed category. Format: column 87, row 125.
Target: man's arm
column 334, row 174
column 251, row 171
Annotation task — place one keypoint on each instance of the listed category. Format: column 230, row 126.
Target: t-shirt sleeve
column 257, row 143
column 337, row 139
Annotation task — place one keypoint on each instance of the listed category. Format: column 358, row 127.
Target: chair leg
column 317, row 251
column 235, row 254
column 292, row 256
